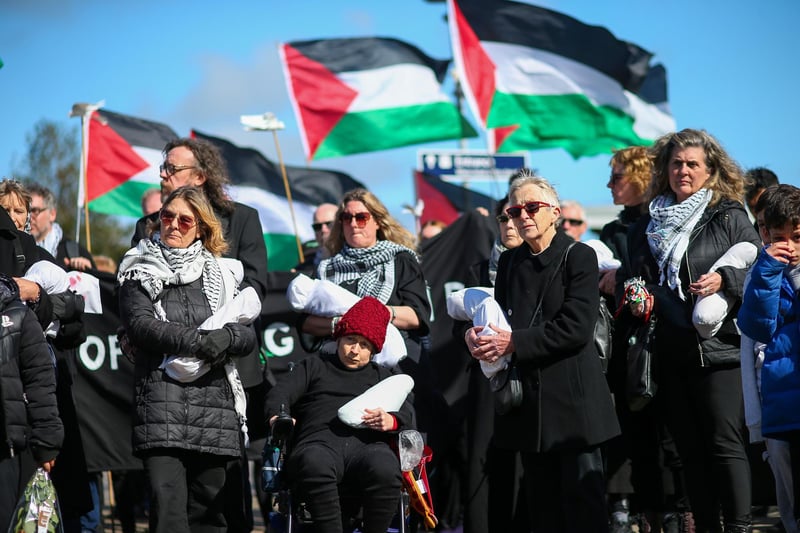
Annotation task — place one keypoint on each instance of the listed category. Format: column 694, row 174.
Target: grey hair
column 530, row 178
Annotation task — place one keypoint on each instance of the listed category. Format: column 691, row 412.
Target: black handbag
column 640, row 383
column 506, row 387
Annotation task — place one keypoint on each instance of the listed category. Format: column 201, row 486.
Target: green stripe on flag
column 125, row 200
column 567, row 121
column 281, row 251
column 368, row 131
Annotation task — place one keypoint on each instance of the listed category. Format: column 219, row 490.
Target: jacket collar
column 551, row 254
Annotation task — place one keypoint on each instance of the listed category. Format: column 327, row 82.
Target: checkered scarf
column 154, row 264
column 668, row 233
column 373, row 267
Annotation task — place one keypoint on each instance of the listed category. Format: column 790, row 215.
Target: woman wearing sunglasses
column 186, row 425
column 566, row 411
column 371, row 254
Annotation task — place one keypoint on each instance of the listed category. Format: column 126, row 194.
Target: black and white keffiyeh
column 494, row 257
column 373, row 267
column 668, row 232
column 51, row 240
column 154, row 265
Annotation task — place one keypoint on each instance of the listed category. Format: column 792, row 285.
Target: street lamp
column 269, row 122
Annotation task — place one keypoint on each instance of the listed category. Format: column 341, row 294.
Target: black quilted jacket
column 28, row 411
column 198, row 416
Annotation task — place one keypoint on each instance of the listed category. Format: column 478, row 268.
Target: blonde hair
column 10, row 186
column 208, row 226
column 638, row 166
column 726, row 180
column 389, row 229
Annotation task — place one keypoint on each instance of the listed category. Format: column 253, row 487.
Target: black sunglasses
column 572, row 222
column 502, row 219
column 316, row 226
column 531, row 208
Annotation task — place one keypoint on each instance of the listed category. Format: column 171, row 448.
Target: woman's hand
column 47, row 466
column 608, row 282
column 489, row 348
column 404, row 317
column 378, row 419
column 29, row 291
column 706, row 284
column 644, row 308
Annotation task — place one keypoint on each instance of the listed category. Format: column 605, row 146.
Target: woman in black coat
column 566, row 411
column 186, row 428
column 695, row 216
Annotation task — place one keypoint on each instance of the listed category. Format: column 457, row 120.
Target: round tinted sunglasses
column 514, row 211
column 185, row 223
column 361, row 218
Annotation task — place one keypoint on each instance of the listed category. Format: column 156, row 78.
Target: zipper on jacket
column 10, row 448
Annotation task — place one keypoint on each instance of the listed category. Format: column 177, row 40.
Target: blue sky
column 732, row 69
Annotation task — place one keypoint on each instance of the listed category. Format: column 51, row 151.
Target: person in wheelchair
column 325, row 453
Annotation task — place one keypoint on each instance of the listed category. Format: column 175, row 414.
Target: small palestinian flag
column 446, row 201
column 124, row 153
column 256, row 181
column 362, row 95
column 542, row 79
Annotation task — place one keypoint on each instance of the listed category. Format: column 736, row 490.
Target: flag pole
column 84, row 111
column 268, row 122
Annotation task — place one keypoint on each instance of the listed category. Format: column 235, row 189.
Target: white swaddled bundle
column 324, row 298
column 477, row 304
column 388, row 394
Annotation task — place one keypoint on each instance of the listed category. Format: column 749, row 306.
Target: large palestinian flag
column 256, row 181
column 542, row 79
column 446, row 201
column 124, row 153
column 361, row 95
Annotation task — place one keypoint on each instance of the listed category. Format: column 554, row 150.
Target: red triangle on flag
column 321, row 97
column 501, row 134
column 111, row 161
column 478, row 66
column 437, row 205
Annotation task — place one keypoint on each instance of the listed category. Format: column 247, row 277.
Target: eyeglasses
column 502, row 219
column 168, row 169
column 317, row 226
column 184, row 223
column 36, row 210
column 572, row 222
column 361, row 218
column 531, row 208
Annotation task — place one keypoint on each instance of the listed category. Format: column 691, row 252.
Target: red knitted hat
column 368, row 318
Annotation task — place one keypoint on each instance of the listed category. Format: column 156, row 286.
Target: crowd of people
column 572, row 452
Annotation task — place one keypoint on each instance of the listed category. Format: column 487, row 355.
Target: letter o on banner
column 92, row 363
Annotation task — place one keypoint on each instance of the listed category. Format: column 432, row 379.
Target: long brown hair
column 208, row 225
column 726, row 180
column 389, row 229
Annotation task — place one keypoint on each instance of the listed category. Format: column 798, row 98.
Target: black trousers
column 187, row 493
column 566, row 491
column 704, row 412
column 368, row 472
column 11, row 486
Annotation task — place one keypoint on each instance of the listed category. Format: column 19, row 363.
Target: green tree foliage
column 53, row 160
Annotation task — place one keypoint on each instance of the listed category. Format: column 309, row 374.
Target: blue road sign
column 465, row 165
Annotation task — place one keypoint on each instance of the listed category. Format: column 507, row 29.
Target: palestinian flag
column 446, row 201
column 256, row 181
column 124, row 153
column 542, row 79
column 362, row 95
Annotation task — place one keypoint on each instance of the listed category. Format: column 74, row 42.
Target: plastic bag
column 37, row 510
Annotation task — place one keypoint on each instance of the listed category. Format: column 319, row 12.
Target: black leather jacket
column 721, row 226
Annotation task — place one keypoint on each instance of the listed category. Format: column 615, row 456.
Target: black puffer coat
column 720, row 227
column 28, row 411
column 200, row 415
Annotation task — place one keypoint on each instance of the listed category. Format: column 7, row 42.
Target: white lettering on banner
column 101, row 349
column 92, row 363
column 278, row 346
